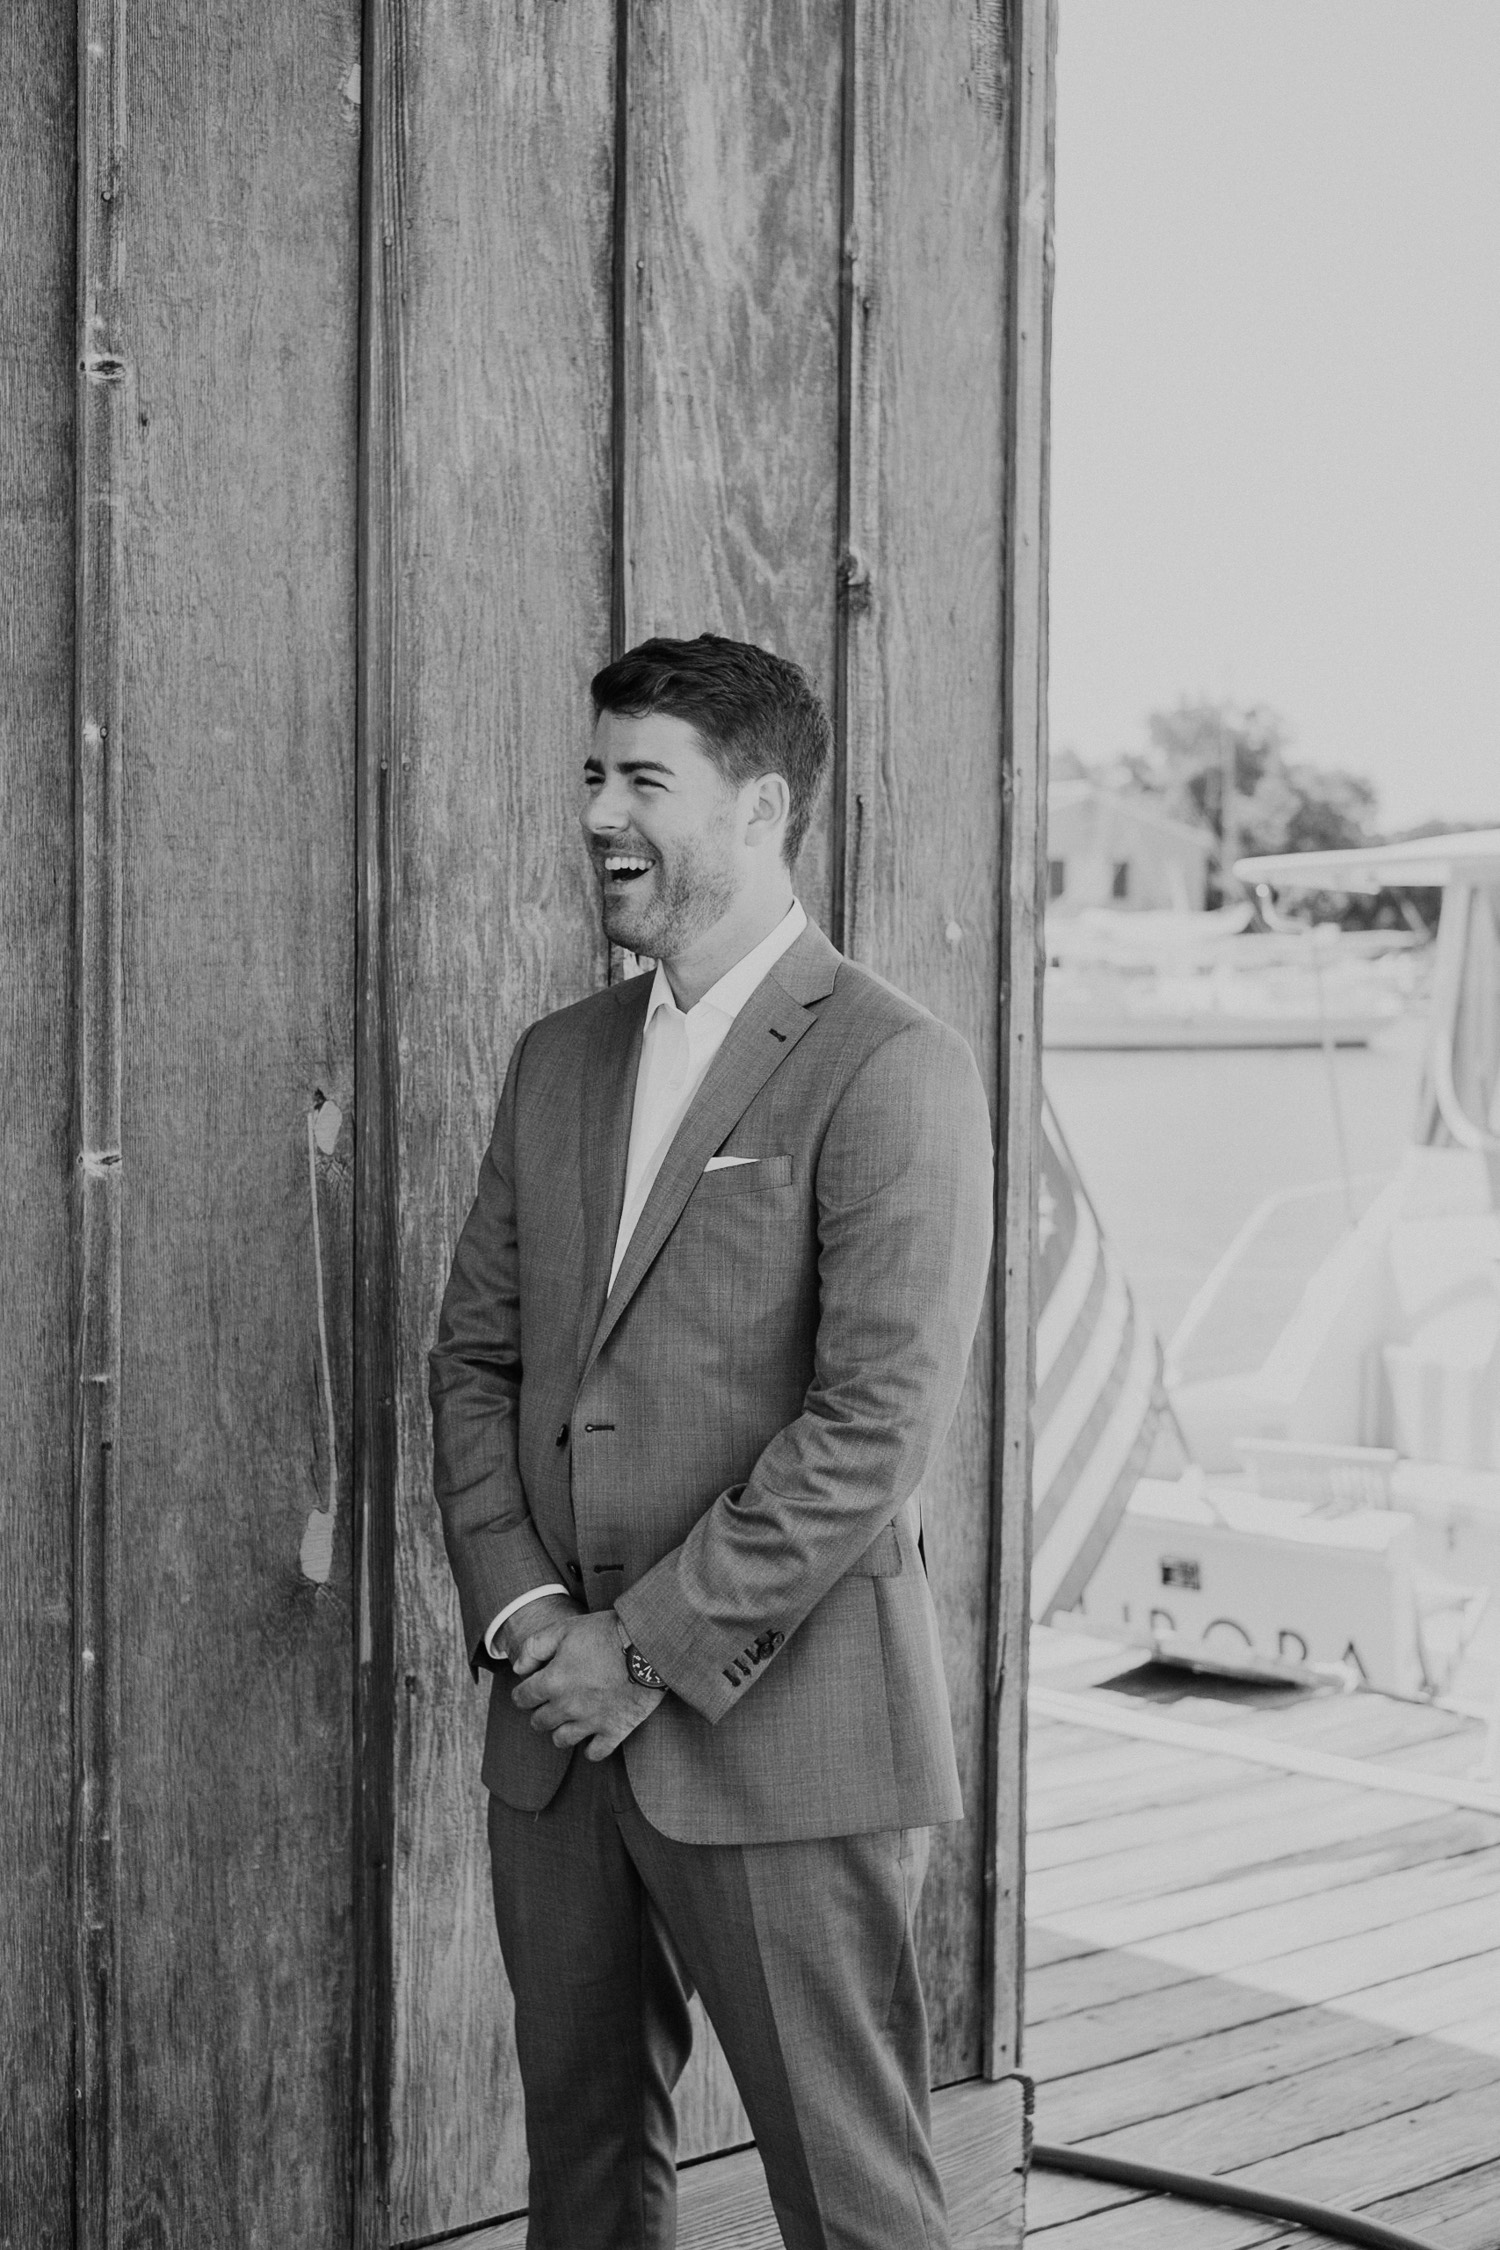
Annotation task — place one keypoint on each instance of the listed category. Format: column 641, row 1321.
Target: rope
column 316, row 1556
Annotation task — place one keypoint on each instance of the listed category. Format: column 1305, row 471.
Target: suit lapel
column 604, row 1132
column 767, row 1028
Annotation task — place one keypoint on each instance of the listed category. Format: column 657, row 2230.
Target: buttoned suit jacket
column 728, row 1444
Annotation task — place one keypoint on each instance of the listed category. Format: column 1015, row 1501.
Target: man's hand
column 533, row 1618
column 574, row 1682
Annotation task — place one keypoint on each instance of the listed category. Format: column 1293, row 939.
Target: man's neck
column 698, row 968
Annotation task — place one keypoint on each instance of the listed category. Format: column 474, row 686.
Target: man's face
column 663, row 831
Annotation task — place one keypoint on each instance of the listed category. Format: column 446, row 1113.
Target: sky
column 1276, row 381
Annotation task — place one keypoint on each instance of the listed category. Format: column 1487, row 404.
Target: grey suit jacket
column 729, row 1444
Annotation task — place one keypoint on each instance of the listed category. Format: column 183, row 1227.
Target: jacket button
column 562, row 1435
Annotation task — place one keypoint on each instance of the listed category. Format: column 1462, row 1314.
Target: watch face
column 643, row 1674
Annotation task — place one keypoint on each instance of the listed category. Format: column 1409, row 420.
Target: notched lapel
column 604, row 1133
column 764, row 1033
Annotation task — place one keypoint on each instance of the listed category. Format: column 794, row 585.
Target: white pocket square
column 723, row 1163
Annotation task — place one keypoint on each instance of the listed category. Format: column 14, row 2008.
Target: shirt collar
column 735, row 986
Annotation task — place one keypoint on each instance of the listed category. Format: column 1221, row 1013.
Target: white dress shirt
column 676, row 1050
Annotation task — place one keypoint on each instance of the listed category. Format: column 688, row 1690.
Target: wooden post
column 102, row 393
column 378, row 739
column 39, row 1956
column 1031, row 108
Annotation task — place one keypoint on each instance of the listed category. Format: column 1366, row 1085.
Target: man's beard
column 678, row 901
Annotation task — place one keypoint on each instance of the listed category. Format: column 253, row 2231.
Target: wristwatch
column 640, row 1669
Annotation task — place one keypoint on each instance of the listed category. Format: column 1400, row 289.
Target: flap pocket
column 882, row 1558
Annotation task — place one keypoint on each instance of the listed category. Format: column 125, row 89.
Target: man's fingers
column 568, row 1737
column 538, row 1649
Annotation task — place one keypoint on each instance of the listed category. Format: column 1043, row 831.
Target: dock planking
column 979, row 2137
column 1289, row 1981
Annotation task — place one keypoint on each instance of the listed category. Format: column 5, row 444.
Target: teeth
column 619, row 863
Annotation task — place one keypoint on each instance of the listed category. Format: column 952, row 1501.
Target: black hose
column 1120, row 2171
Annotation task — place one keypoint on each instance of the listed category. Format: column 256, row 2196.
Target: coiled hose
column 1119, row 2171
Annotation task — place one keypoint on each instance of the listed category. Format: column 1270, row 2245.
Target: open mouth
column 623, row 868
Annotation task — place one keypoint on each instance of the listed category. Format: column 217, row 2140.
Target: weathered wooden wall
column 751, row 373
column 38, row 70
column 217, row 296
column 390, row 419
column 489, row 543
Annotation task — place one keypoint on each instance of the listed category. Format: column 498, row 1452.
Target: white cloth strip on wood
column 1260, row 1750
column 316, row 1556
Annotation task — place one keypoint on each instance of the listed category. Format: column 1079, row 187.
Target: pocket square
column 723, row 1163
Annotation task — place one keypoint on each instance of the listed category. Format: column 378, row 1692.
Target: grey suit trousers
column 804, row 1955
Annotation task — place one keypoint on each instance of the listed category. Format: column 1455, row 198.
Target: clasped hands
column 572, row 1677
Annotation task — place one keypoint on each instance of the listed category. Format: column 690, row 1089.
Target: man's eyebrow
column 632, row 765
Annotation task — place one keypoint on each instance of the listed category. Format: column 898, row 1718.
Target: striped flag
column 1099, row 1391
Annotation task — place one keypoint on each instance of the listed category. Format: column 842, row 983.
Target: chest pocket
column 746, row 1178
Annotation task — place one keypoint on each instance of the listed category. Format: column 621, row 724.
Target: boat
column 1211, row 979
column 1336, row 1381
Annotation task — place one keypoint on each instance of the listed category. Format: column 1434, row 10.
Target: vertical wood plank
column 496, row 312
column 1032, row 106
column 102, row 406
column 383, row 168
column 733, row 153
column 37, row 313
column 923, row 584
column 731, row 337
column 232, row 492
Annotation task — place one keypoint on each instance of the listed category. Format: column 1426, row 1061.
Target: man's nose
column 606, row 811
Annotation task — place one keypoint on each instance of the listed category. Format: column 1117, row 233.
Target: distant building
column 1112, row 847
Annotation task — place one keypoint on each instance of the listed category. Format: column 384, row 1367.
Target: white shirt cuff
column 491, row 1638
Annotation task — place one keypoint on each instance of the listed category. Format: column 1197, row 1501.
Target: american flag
column 1099, row 1391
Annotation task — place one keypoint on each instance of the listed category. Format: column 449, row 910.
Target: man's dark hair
column 755, row 712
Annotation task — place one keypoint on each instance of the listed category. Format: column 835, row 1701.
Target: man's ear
column 769, row 802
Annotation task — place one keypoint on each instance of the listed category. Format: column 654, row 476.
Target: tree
column 1204, row 760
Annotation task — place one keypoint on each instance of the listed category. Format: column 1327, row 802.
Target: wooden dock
column 1264, row 1943
column 979, row 2132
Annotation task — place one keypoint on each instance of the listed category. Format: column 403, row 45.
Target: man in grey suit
column 706, row 1327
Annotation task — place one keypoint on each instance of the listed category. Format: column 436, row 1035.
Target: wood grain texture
column 1182, row 2075
column 235, row 209
column 1305, row 2104
column 1336, row 2054
column 37, row 66
column 1354, row 1852
column 730, row 410
column 923, row 584
column 499, row 129
column 1183, row 1881
column 101, row 441
column 731, row 336
column 1031, row 112
column 1116, row 2029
